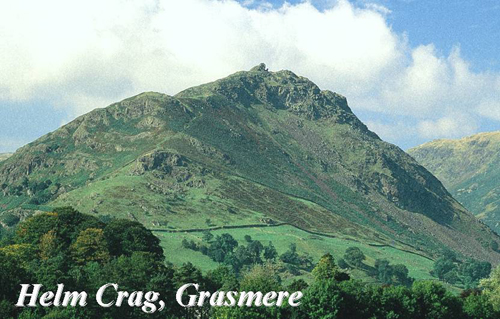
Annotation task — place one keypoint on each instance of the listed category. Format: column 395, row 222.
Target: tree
column 322, row 300
column 207, row 236
column 248, row 238
column 342, row 264
column 472, row 271
column 432, row 300
column 401, row 274
column 241, row 257
column 442, row 266
column 478, row 305
column 48, row 246
column 450, row 255
column 255, row 248
column 7, row 309
column 306, row 262
column 270, row 252
column 222, row 278
column 261, row 278
column 222, row 246
column 190, row 244
column 451, row 277
column 236, row 260
column 71, row 222
column 384, row 271
column 354, row 256
column 188, row 273
column 90, row 245
column 291, row 256
column 491, row 288
column 21, row 253
column 46, row 254
column 326, row 269
column 392, row 274
column 297, row 285
column 11, row 275
column 31, row 230
column 125, row 237
column 140, row 271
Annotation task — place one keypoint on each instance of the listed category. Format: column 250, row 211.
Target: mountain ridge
column 468, row 168
column 255, row 146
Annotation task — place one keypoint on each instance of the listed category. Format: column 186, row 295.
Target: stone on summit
column 261, row 67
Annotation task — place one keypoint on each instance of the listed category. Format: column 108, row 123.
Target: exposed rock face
column 158, row 160
column 282, row 90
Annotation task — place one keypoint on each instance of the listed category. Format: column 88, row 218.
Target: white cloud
column 447, row 127
column 88, row 54
column 490, row 109
column 378, row 7
column 392, row 131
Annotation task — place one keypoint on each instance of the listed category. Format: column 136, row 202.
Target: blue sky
column 413, row 70
column 474, row 25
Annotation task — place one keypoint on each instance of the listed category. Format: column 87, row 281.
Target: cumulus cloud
column 490, row 108
column 392, row 131
column 448, row 126
column 378, row 7
column 88, row 54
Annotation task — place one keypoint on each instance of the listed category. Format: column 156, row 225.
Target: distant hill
column 4, row 156
column 470, row 169
column 254, row 148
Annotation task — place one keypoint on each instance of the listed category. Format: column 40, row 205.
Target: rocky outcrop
column 158, row 160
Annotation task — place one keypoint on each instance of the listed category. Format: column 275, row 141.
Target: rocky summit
column 257, row 147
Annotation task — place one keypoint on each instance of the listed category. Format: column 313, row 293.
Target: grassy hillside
column 257, row 147
column 470, row 169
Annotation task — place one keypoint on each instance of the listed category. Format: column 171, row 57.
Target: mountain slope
column 255, row 147
column 470, row 169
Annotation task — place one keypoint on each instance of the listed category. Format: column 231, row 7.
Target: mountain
column 470, row 170
column 255, row 148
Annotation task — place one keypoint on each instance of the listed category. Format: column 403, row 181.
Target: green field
column 283, row 236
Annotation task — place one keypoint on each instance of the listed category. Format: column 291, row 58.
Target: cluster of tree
column 385, row 272
column 449, row 269
column 84, row 253
column 392, row 274
column 296, row 261
column 332, row 294
column 226, row 250
column 354, row 256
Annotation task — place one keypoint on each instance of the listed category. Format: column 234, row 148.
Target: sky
column 412, row 70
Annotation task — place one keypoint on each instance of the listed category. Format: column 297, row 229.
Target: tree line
column 85, row 252
column 226, row 250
